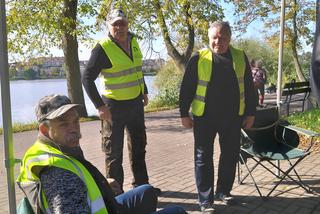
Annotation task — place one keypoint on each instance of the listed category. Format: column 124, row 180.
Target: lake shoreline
column 25, row 94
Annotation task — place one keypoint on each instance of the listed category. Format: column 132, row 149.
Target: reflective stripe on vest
column 41, row 155
column 125, row 85
column 122, row 73
column 124, row 80
column 204, row 76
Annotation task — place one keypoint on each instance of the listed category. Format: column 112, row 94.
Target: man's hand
column 145, row 99
column 248, row 122
column 104, row 113
column 187, row 122
column 115, row 186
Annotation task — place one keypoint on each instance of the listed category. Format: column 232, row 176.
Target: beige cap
column 116, row 15
column 53, row 106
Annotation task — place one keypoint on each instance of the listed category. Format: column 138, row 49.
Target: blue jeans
column 205, row 131
column 143, row 200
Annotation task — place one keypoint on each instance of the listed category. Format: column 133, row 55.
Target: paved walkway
column 170, row 166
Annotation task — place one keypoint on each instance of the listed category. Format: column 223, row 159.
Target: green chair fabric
column 268, row 141
column 25, row 207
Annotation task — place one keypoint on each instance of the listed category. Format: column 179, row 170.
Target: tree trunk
column 70, row 50
column 179, row 59
column 297, row 66
column 294, row 45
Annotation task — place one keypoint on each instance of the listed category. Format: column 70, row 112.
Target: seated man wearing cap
column 57, row 178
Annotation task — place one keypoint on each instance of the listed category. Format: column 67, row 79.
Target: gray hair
column 225, row 26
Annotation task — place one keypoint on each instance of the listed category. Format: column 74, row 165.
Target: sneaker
column 207, row 209
column 227, row 199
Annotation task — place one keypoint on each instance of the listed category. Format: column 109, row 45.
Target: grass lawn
column 308, row 120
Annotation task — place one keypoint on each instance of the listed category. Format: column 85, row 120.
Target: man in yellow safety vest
column 118, row 59
column 218, row 86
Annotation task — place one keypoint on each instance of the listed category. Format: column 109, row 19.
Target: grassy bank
column 160, row 108
column 308, row 119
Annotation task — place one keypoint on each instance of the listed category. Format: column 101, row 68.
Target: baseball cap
column 53, row 106
column 115, row 15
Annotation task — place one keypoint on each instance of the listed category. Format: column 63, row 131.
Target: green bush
column 168, row 82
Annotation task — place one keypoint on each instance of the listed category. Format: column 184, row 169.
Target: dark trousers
column 205, row 131
column 130, row 118
column 143, row 200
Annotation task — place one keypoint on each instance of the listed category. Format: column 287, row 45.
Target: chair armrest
column 302, row 131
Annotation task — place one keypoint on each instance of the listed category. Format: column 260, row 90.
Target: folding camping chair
column 271, row 140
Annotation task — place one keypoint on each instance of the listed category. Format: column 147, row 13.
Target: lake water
column 26, row 93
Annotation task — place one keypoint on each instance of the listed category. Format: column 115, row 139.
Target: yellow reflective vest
column 40, row 155
column 124, row 80
column 204, row 76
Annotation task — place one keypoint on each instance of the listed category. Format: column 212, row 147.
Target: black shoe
column 207, row 209
column 227, row 199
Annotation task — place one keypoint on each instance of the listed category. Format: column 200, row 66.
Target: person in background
column 259, row 80
column 118, row 59
column 218, row 85
column 57, row 178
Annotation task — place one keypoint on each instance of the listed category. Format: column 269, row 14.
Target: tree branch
column 172, row 51
column 190, row 27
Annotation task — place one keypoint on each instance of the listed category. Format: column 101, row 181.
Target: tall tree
column 178, row 23
column 299, row 19
column 34, row 27
column 70, row 50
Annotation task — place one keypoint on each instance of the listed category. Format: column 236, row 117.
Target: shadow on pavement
column 245, row 204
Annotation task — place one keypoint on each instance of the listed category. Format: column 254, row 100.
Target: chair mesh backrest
column 266, row 130
column 263, row 130
column 265, row 117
